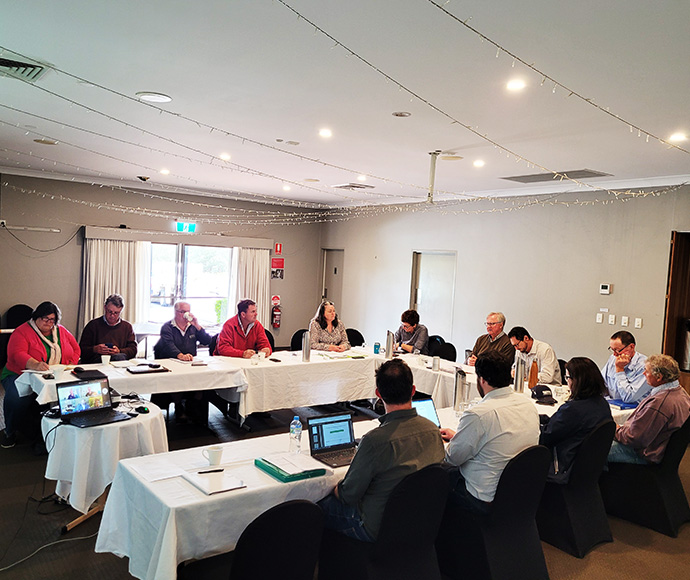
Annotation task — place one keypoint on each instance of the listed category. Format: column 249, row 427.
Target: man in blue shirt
column 624, row 371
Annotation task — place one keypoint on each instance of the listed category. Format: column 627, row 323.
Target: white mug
column 213, row 454
column 254, row 360
column 262, row 355
column 105, row 359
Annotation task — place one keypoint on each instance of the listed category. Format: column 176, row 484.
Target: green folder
column 283, row 476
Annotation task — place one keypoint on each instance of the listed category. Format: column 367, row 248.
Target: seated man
column 624, row 371
column 243, row 335
column 108, row 334
column 644, row 436
column 402, row 444
column 494, row 339
column 489, row 434
column 179, row 339
column 530, row 350
column 412, row 336
column 180, row 336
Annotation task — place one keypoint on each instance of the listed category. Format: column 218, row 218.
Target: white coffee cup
column 213, row 454
column 262, row 355
column 57, row 371
column 254, row 360
column 105, row 359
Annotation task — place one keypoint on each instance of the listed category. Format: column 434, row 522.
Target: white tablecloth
column 84, row 461
column 160, row 524
column 219, row 373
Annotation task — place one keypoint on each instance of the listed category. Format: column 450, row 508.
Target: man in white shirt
column 530, row 350
column 490, row 434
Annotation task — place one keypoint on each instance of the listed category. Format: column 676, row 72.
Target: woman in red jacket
column 34, row 345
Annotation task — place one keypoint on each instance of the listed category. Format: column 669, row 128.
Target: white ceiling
column 245, row 73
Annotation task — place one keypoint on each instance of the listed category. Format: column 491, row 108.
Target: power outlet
column 612, row 319
column 625, row 321
column 600, row 317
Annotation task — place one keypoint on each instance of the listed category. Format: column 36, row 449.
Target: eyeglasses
column 492, row 323
column 568, row 377
column 617, row 351
column 48, row 319
column 407, row 326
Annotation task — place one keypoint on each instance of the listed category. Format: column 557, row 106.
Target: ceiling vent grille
column 353, row 186
column 540, row 177
column 27, row 71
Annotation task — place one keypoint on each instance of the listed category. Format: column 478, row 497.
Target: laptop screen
column 83, row 396
column 427, row 409
column 330, row 432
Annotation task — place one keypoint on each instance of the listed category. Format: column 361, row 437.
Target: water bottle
column 306, row 346
column 295, row 435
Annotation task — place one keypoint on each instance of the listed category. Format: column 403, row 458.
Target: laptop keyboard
column 98, row 418
column 338, row 456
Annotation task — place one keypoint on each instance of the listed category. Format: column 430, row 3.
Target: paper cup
column 105, row 359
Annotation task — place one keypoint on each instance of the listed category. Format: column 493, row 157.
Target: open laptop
column 427, row 409
column 87, row 403
column 332, row 439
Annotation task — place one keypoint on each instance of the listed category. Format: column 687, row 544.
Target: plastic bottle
column 295, row 435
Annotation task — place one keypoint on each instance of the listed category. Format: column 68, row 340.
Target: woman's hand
column 37, row 365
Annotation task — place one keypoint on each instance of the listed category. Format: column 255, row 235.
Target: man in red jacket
column 242, row 335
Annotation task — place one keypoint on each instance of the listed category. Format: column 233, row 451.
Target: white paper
column 292, row 463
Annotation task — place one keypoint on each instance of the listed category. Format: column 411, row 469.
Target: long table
column 160, row 524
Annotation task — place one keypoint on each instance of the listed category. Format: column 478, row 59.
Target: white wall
column 30, row 276
column 541, row 266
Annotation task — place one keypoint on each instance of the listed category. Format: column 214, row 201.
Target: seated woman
column 326, row 331
column 34, row 345
column 577, row 417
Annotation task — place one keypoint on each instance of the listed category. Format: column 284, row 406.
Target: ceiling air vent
column 540, row 177
column 353, row 186
column 25, row 70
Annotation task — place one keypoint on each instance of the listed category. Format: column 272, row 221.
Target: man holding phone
column 108, row 334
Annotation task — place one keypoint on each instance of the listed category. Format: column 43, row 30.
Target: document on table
column 213, row 480
column 155, row 470
column 293, row 463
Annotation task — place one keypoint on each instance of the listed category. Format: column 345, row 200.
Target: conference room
column 393, row 210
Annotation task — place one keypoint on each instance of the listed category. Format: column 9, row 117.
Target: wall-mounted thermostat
column 605, row 288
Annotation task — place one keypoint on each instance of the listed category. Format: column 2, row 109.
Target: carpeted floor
column 27, row 524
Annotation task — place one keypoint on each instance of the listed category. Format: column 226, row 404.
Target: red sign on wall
column 277, row 262
column 278, row 249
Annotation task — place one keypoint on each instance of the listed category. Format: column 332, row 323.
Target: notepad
column 290, row 467
column 216, row 482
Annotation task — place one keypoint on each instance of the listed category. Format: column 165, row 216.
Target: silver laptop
column 427, row 409
column 332, row 439
column 87, row 403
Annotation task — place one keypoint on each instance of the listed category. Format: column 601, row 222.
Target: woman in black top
column 577, row 417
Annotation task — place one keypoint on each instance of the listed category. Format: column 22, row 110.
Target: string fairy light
column 571, row 92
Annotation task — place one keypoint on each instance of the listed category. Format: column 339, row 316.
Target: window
column 204, row 276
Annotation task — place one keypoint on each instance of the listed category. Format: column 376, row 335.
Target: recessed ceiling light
column 678, row 137
column 225, row 156
column 326, row 133
column 150, row 97
column 45, row 141
column 361, row 177
column 165, row 171
column 401, row 114
column 286, row 188
column 478, row 163
column 516, row 85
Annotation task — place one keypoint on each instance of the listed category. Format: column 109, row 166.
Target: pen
column 211, row 471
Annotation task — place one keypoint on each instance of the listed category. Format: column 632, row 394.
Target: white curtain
column 253, row 280
column 113, row 266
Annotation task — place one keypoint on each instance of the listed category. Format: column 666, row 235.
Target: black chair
column 354, row 337
column 447, row 352
column 434, row 342
column 212, row 345
column 15, row 316
column 561, row 364
column 650, row 495
column 296, row 340
column 571, row 516
column 283, row 541
column 505, row 543
column 271, row 340
column 404, row 549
